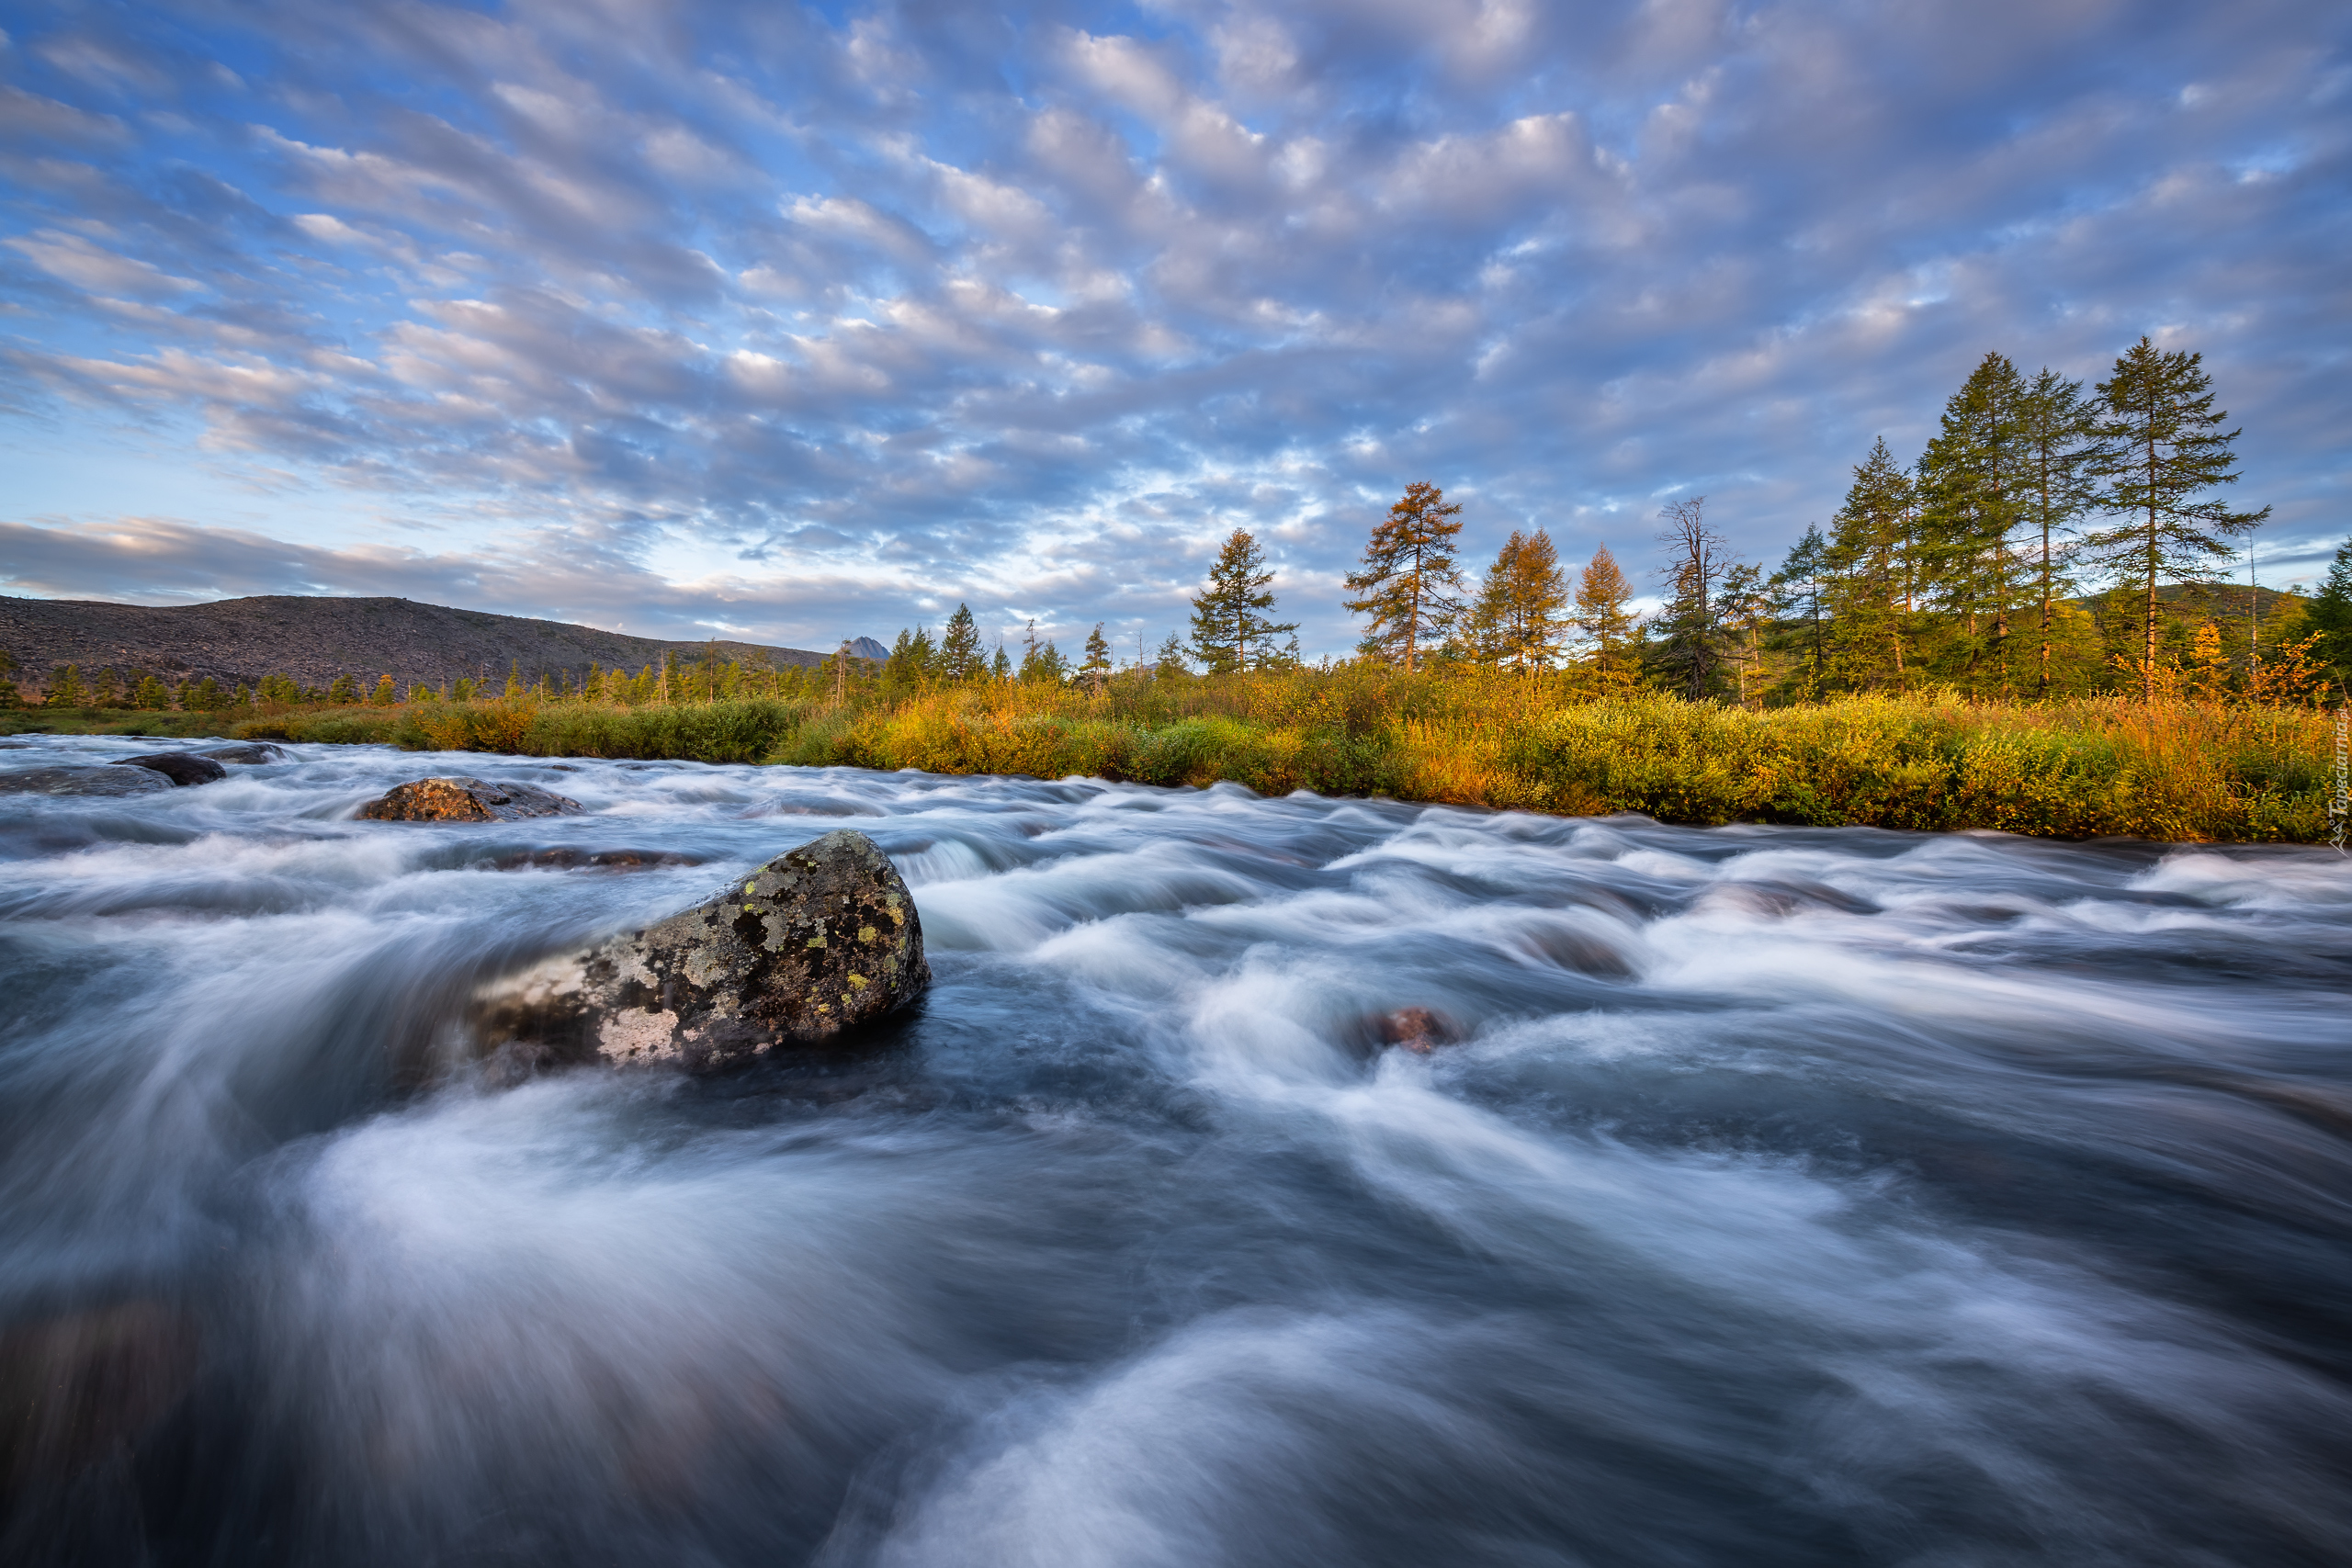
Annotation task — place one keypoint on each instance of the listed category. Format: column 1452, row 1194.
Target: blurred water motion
column 1267, row 1182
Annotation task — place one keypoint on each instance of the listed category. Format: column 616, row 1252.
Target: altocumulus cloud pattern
column 800, row 321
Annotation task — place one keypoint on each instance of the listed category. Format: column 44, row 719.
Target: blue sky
column 796, row 323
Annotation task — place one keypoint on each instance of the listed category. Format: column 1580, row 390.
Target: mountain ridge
column 314, row 639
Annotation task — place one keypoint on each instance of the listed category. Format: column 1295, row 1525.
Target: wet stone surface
column 82, row 781
column 183, row 768
column 466, row 800
column 819, row 942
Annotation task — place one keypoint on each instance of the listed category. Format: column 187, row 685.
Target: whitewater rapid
column 1780, row 1196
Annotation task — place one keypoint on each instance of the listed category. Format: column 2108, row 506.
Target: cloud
column 1030, row 309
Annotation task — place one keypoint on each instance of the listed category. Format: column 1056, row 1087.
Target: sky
column 799, row 322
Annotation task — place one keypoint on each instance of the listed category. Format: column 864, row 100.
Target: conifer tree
column 1690, row 653
column 1001, row 666
column 1171, row 660
column 908, row 665
column 2056, row 445
column 385, row 694
column 105, row 690
column 1601, row 596
column 2160, row 450
column 1971, row 499
column 344, row 690
column 1869, row 583
column 2329, row 614
column 960, row 657
column 1742, row 606
column 1797, row 597
column 1230, row 633
column 1042, row 662
column 1411, row 589
column 1097, row 667
column 1519, row 615
column 152, row 695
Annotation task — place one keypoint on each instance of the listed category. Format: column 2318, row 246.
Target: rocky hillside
column 238, row 641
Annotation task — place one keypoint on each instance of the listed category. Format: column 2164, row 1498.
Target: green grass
column 113, row 721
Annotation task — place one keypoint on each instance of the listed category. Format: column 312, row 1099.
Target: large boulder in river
column 466, row 800
column 82, row 781
column 820, row 941
column 183, row 768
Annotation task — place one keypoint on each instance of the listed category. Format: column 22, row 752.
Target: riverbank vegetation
column 2184, row 767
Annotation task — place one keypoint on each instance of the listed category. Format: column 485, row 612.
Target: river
column 1767, row 1195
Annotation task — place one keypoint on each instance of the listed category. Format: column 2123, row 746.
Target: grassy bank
column 2181, row 771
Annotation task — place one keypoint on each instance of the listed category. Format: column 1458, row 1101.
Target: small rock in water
column 820, row 940
column 564, row 858
column 82, row 781
column 1416, row 1029
column 250, row 753
column 183, row 768
column 466, row 800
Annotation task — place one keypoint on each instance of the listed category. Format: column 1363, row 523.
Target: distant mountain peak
column 866, row 647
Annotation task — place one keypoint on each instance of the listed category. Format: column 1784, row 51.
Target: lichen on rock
column 820, row 940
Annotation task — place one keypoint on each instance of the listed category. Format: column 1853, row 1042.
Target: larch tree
column 1600, row 615
column 1742, row 608
column 1869, row 574
column 1970, row 501
column 1797, row 596
column 1518, row 616
column 2329, row 614
column 2161, row 450
column 1229, row 630
column 1690, row 651
column 2057, row 446
column 1409, row 587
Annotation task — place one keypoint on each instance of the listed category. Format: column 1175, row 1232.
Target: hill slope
column 238, row 641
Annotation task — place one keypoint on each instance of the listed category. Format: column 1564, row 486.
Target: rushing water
column 1782, row 1196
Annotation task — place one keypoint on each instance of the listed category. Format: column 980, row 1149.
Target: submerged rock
column 248, row 753
column 80, row 1386
column 183, row 768
column 103, row 780
column 1418, row 1029
column 466, row 800
column 820, row 940
column 565, row 858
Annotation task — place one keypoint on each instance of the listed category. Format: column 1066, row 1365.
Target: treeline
column 2050, row 542
column 677, row 679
